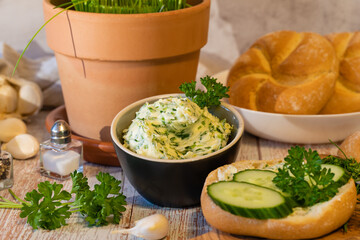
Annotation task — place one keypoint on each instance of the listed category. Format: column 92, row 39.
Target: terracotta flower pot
column 107, row 61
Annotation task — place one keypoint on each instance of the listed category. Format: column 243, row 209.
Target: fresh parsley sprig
column 103, row 201
column 214, row 92
column 44, row 208
column 48, row 207
column 303, row 178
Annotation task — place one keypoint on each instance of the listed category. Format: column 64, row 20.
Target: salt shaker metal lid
column 60, row 132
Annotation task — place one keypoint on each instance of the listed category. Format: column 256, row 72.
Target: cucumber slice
column 262, row 178
column 258, row 177
column 249, row 200
column 340, row 175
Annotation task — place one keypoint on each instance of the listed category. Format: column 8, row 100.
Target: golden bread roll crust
column 318, row 220
column 346, row 97
column 285, row 72
column 351, row 146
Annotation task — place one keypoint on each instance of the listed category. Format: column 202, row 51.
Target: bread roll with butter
column 346, row 97
column 285, row 72
column 309, row 223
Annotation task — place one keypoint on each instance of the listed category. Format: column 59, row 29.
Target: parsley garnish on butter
column 214, row 92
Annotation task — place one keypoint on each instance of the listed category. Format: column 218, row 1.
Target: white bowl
column 302, row 129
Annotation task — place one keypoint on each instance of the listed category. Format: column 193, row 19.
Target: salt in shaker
column 60, row 155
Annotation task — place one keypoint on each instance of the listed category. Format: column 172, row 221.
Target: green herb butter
column 175, row 128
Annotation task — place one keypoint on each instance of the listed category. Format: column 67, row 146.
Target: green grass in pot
column 127, row 6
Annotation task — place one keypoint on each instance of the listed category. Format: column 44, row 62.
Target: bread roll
column 351, row 146
column 316, row 221
column 346, row 97
column 285, row 72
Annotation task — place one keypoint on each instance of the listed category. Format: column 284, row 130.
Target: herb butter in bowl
column 167, row 145
column 175, row 128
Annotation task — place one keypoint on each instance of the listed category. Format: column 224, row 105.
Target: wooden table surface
column 185, row 223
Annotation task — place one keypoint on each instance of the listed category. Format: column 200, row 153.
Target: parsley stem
column 66, row 203
column 17, row 198
column 6, row 203
column 74, row 207
column 74, row 211
column 15, row 205
column 71, row 207
column 5, row 200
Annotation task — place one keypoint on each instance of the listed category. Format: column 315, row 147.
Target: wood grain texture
column 185, row 223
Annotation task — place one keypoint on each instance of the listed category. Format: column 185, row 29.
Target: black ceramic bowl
column 172, row 183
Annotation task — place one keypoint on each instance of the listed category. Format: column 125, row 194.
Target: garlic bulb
column 150, row 228
column 22, row 146
column 19, row 97
column 11, row 127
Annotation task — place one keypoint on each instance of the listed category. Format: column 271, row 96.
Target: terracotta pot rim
column 71, row 33
column 197, row 7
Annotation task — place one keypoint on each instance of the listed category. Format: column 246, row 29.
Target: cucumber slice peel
column 258, row 177
column 249, row 200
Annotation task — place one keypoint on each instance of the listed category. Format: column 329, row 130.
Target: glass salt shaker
column 6, row 170
column 60, row 155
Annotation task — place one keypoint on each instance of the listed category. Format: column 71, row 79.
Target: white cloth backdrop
column 234, row 25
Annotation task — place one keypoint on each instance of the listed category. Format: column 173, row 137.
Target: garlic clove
column 30, row 99
column 10, row 115
column 30, row 96
column 8, row 98
column 22, row 146
column 11, row 127
column 152, row 227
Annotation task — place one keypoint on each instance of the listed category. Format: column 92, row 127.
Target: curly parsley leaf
column 105, row 200
column 303, row 178
column 45, row 209
column 80, row 184
column 214, row 92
